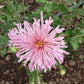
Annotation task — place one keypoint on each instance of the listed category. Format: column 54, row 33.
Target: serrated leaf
column 47, row 7
column 74, row 42
column 15, row 6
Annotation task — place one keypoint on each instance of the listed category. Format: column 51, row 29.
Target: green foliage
column 12, row 13
column 3, row 52
column 13, row 49
column 1, row 0
column 71, row 17
column 3, row 44
column 47, row 7
column 69, row 32
column 28, row 16
column 62, row 8
column 3, row 41
column 75, row 43
column 33, row 75
column 15, row 6
column 56, row 21
column 9, row 16
column 41, row 1
column 81, row 24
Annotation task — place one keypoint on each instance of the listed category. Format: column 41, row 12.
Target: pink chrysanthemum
column 37, row 44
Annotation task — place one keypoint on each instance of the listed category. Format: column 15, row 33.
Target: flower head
column 37, row 44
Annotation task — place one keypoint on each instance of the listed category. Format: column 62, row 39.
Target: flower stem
column 38, row 79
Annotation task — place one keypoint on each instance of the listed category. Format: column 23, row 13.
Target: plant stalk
column 38, row 79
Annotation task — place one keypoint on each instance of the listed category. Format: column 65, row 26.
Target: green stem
column 23, row 6
column 79, row 36
column 38, row 79
column 59, row 65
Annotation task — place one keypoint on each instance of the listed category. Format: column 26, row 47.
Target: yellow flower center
column 39, row 43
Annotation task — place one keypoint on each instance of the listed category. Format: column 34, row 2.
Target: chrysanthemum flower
column 37, row 44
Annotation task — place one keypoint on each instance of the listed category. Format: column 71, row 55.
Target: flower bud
column 13, row 49
column 63, row 72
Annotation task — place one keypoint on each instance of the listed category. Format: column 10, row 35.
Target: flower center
column 39, row 43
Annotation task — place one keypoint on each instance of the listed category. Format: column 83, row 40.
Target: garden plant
column 41, row 39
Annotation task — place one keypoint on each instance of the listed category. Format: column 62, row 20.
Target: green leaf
column 41, row 8
column 1, row 0
column 47, row 7
column 6, row 9
column 44, row 82
column 82, row 13
column 3, row 52
column 3, row 18
column 68, row 18
column 3, row 40
column 41, row 1
column 81, row 32
column 70, row 9
column 34, row 72
column 77, row 30
column 21, row 7
column 28, row 16
column 31, row 73
column 28, row 71
column 32, row 79
column 3, row 27
column 74, row 42
column 81, row 24
column 69, row 2
column 54, row 6
column 68, row 32
column 56, row 21
column 59, row 65
column 62, row 8
column 15, row 6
